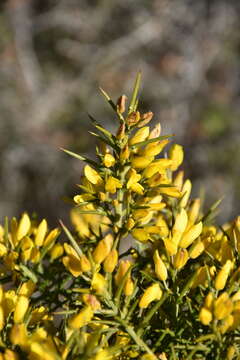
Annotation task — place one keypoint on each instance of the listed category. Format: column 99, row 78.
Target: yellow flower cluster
column 144, row 274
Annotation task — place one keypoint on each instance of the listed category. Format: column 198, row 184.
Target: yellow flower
column 73, row 265
column 155, row 148
column 179, row 226
column 56, row 251
column 27, row 288
column 124, row 265
column 18, row 335
column 176, row 155
column 128, row 287
column 85, row 264
column 160, row 267
column 192, row 234
column 92, row 301
column 186, row 191
column 140, row 234
column 108, row 160
column 139, row 136
column 205, row 316
column 222, row 276
column 23, row 227
column 82, row 318
column 92, row 175
column 140, row 162
column 112, row 184
column 21, row 309
column 152, row 293
column 111, row 261
column 223, row 306
column 102, row 249
column 99, row 283
column 180, row 259
column 41, row 233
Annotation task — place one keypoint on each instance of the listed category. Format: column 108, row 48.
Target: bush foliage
column 144, row 273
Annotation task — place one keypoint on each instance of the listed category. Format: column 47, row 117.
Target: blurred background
column 54, row 54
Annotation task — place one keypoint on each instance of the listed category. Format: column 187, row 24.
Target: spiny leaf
column 132, row 105
column 80, row 157
column 28, row 273
column 71, row 239
column 146, row 142
column 101, row 128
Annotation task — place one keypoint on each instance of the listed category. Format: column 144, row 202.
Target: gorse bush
column 172, row 293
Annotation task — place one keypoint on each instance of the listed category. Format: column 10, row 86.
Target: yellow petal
column 112, row 184
column 176, row 154
column 109, row 160
column 192, row 234
column 92, row 175
column 82, row 318
column 24, row 226
column 160, row 267
column 180, row 259
column 186, row 191
column 41, row 233
column 140, row 135
column 21, row 309
column 205, row 316
column 152, row 293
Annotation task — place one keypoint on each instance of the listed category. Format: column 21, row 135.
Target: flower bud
column 222, row 276
column 192, row 234
column 23, row 227
column 111, row 261
column 128, row 287
column 124, row 265
column 56, row 251
column 160, row 267
column 194, row 211
column 145, row 119
column 180, row 259
column 152, row 293
column 130, row 223
column 109, row 160
column 27, row 288
column 82, row 318
column 176, row 154
column 102, row 249
column 205, row 316
column 223, row 306
column 99, row 284
column 20, row 309
column 85, row 264
column 179, row 226
column 178, row 180
column 121, row 104
column 124, row 155
column 139, row 136
column 186, row 191
column 133, row 118
column 41, row 233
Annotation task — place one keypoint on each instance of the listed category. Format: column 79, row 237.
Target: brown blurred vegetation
column 55, row 54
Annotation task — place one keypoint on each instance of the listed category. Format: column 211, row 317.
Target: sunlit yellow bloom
column 226, row 324
column 102, row 249
column 128, row 287
column 178, row 180
column 27, row 288
column 179, row 226
column 159, row 165
column 155, row 148
column 24, row 226
column 196, row 249
column 109, row 160
column 83, row 198
column 72, row 264
column 51, row 237
column 163, row 226
column 170, row 191
column 160, row 267
column 10, row 355
column 152, row 293
column 56, row 251
column 193, row 212
column 82, row 318
column 124, row 155
column 21, row 309
column 41, row 233
column 85, row 264
column 180, row 259
column 3, row 250
column 231, row 352
column 99, row 283
column 170, row 246
column 124, row 265
column 192, row 234
column 223, row 306
column 18, row 335
column 102, row 354
column 92, row 175
column 111, row 261
column 176, row 154
column 140, row 162
column 112, row 184
column 26, row 245
column 2, row 318
column 130, row 223
column 186, row 191
column 139, row 136
column 222, row 276
column 208, row 302
column 140, row 234
column 205, row 316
